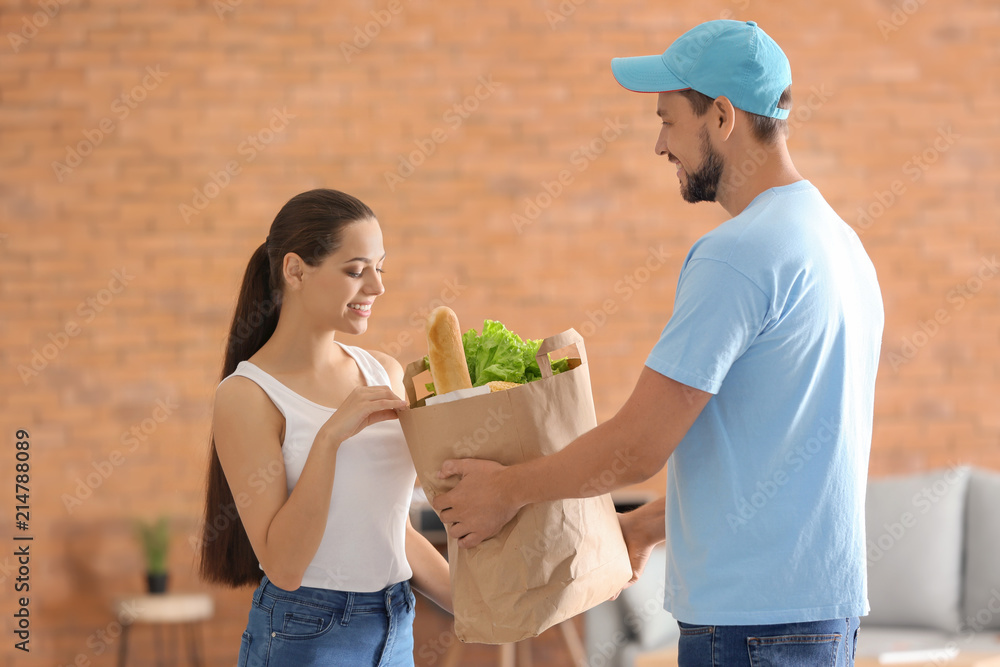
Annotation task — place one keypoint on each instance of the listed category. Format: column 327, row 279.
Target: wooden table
column 162, row 611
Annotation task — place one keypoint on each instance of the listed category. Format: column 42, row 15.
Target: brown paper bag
column 554, row 560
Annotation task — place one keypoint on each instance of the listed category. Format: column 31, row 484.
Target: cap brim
column 645, row 74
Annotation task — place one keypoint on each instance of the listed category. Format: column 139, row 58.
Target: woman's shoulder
column 237, row 389
column 240, row 399
column 393, row 369
column 389, row 363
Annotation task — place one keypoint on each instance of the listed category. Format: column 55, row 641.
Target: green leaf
column 560, row 365
column 156, row 543
column 500, row 354
column 470, row 343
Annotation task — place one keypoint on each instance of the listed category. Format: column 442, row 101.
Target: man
column 760, row 390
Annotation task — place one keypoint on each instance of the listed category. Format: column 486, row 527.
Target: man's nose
column 660, row 147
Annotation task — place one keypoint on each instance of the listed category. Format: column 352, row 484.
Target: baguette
column 449, row 369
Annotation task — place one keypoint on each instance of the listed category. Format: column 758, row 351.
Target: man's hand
column 479, row 505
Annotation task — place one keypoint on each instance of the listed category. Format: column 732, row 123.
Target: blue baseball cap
column 730, row 58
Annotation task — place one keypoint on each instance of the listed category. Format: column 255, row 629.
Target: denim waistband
column 342, row 601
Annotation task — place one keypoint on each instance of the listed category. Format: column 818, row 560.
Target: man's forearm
column 630, row 447
column 598, row 462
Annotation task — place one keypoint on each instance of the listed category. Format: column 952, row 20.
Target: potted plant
column 156, row 544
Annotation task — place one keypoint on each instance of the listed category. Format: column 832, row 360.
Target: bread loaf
column 444, row 349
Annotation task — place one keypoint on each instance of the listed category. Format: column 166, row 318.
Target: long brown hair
column 311, row 225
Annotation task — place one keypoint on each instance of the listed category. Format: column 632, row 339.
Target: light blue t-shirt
column 778, row 313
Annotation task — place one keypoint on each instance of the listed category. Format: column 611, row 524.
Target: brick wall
column 147, row 146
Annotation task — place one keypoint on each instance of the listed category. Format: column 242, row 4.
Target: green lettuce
column 500, row 354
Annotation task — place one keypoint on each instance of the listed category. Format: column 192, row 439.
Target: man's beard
column 703, row 185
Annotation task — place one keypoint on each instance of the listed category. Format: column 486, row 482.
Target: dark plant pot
column 157, row 583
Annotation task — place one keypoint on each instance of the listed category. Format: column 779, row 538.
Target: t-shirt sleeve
column 718, row 312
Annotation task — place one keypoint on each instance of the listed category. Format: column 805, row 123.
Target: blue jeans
column 827, row 643
column 316, row 626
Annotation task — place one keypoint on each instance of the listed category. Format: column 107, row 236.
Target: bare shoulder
column 389, row 363
column 393, row 369
column 241, row 396
column 237, row 390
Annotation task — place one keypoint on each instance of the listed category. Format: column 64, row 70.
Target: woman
column 305, row 448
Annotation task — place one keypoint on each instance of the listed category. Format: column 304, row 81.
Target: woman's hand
column 363, row 407
column 639, row 545
column 643, row 529
column 431, row 577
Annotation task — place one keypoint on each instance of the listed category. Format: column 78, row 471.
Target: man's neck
column 753, row 169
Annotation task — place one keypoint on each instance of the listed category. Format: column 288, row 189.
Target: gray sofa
column 933, row 575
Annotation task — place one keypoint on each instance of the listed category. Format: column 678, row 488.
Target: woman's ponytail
column 227, row 556
column 256, row 313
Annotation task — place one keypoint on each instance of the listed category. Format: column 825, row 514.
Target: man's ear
column 722, row 117
column 293, row 269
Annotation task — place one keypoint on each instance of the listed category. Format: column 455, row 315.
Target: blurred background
column 146, row 147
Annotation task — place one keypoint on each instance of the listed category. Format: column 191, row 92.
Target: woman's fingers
column 362, row 407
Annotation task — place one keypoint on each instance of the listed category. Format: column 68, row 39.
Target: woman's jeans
column 827, row 643
column 316, row 626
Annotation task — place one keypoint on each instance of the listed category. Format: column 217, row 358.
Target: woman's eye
column 353, row 275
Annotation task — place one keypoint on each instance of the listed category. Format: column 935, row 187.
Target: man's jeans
column 828, row 643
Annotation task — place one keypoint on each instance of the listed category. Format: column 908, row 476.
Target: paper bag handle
column 414, row 369
column 557, row 342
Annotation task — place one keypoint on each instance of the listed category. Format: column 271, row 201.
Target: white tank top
column 363, row 547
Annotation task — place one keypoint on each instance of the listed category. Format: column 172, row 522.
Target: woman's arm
column 430, row 569
column 643, row 529
column 285, row 529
